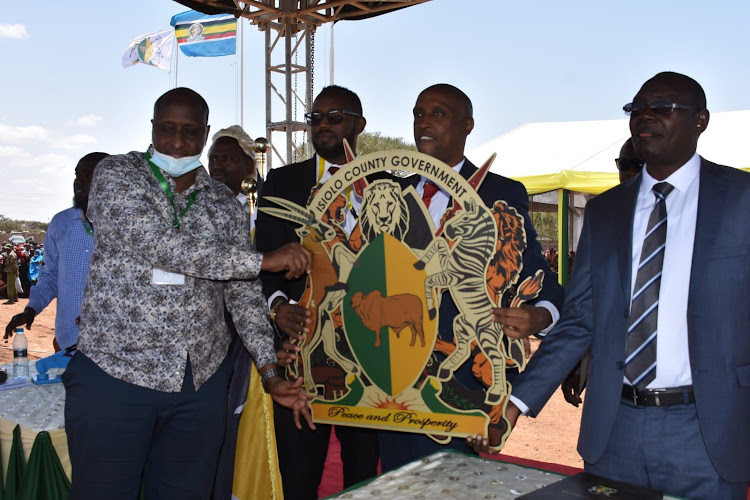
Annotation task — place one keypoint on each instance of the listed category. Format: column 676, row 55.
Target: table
column 35, row 408
column 454, row 475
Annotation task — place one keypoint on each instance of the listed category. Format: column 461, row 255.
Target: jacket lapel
column 712, row 197
column 622, row 224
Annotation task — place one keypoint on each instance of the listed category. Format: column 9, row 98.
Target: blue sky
column 64, row 92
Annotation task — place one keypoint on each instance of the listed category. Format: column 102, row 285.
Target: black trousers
column 302, row 454
column 122, row 436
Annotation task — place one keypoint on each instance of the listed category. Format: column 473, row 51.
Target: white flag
column 154, row 49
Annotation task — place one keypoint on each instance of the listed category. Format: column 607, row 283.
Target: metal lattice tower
column 289, row 27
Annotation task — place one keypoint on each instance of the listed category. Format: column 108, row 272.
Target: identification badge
column 165, row 278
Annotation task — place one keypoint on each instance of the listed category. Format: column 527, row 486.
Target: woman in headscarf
column 35, row 266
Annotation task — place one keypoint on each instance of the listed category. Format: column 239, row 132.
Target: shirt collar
column 456, row 168
column 681, row 178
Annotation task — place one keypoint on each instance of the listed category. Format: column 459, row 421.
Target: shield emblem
column 385, row 316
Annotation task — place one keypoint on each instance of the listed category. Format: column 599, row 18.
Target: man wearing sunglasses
column 657, row 292
column 443, row 119
column 336, row 115
column 628, row 164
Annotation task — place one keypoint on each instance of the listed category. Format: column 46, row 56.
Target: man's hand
column 481, row 444
column 27, row 317
column 293, row 396
column 521, row 322
column 571, row 386
column 293, row 320
column 292, row 257
column 288, row 352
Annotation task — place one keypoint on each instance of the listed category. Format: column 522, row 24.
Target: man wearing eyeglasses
column 336, row 115
column 657, row 292
column 443, row 119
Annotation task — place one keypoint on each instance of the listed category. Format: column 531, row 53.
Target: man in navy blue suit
column 443, row 119
column 681, row 422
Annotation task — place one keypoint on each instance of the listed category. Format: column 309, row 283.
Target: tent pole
column 562, row 235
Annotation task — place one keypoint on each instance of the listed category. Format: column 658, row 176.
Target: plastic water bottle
column 20, row 355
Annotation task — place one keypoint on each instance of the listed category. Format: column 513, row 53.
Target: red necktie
column 430, row 188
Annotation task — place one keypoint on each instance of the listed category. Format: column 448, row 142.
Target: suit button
column 620, row 365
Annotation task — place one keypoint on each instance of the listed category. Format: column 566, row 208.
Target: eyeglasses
column 629, row 163
column 661, row 107
column 334, row 116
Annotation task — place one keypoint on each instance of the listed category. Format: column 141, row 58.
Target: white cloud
column 16, row 31
column 35, row 133
column 73, row 142
column 89, row 120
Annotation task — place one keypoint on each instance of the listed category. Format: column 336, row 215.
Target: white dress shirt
column 672, row 358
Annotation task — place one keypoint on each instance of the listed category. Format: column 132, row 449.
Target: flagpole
column 175, row 59
column 331, row 54
column 241, row 33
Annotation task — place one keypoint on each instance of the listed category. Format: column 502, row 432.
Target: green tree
column 545, row 224
column 370, row 142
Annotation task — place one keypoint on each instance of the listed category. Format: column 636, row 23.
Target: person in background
column 231, row 159
column 628, row 164
column 35, row 266
column 70, row 242
column 11, row 272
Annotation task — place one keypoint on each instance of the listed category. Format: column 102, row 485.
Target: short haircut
column 458, row 94
column 686, row 83
column 182, row 95
column 347, row 94
column 91, row 160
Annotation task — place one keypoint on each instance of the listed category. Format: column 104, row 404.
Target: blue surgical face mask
column 175, row 167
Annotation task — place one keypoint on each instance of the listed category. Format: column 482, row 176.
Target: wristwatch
column 275, row 310
column 269, row 374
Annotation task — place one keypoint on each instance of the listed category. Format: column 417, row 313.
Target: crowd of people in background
column 22, row 263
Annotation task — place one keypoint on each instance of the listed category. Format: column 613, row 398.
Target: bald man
column 443, row 119
column 146, row 392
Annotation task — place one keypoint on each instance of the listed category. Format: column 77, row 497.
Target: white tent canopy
column 591, row 146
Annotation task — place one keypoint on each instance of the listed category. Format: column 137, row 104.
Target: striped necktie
column 640, row 363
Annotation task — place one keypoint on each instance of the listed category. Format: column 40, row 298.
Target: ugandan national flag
column 200, row 35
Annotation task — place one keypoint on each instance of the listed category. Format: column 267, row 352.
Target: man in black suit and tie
column 443, row 118
column 336, row 115
column 658, row 292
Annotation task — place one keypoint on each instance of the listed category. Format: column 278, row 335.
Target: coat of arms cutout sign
column 373, row 357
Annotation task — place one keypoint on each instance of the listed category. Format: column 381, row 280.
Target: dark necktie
column 640, row 363
column 430, row 188
column 333, row 169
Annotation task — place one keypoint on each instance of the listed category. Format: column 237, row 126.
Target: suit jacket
column 496, row 187
column 292, row 182
column 397, row 448
column 596, row 314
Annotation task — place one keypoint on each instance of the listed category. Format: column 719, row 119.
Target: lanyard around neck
column 165, row 186
column 84, row 220
column 348, row 192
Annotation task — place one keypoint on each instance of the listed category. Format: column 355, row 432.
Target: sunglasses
column 334, row 117
column 629, row 163
column 661, row 107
